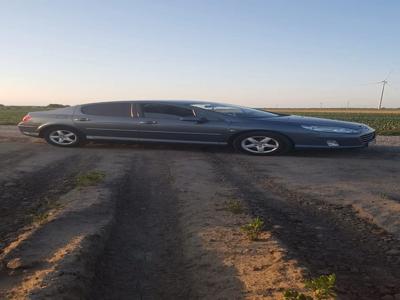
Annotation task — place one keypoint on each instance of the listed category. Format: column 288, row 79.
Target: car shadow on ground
column 379, row 151
column 158, row 146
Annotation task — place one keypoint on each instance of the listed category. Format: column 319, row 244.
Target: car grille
column 367, row 137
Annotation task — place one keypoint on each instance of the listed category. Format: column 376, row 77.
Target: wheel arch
column 44, row 128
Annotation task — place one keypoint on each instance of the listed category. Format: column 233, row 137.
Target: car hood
column 300, row 120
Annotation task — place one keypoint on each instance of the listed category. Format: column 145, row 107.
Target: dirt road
column 160, row 226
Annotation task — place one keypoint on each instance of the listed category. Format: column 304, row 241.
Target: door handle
column 148, row 122
column 82, row 119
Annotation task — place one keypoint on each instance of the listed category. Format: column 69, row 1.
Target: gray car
column 248, row 130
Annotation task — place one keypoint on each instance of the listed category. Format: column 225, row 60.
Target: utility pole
column 383, row 90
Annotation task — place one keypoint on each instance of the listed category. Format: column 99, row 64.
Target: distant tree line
column 52, row 105
column 56, row 105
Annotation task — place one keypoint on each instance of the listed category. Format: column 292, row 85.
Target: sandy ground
column 159, row 227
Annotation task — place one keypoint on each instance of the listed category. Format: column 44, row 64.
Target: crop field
column 11, row 115
column 385, row 121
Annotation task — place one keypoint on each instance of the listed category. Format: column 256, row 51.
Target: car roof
column 162, row 101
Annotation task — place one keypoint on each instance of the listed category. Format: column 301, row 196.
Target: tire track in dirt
column 54, row 259
column 29, row 196
column 142, row 259
column 324, row 238
column 10, row 159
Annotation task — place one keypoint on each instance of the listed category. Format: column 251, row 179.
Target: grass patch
column 385, row 196
column 322, row 288
column 253, row 229
column 235, row 207
column 12, row 115
column 90, row 178
column 42, row 213
column 40, row 217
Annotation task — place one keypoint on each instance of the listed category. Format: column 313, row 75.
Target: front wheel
column 63, row 137
column 262, row 143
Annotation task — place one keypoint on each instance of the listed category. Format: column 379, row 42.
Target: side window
column 207, row 114
column 165, row 111
column 108, row 109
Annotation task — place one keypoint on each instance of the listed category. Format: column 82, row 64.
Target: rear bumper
column 29, row 130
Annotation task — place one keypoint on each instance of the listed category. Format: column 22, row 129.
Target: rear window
column 108, row 109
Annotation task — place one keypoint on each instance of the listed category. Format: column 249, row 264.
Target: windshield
column 235, row 111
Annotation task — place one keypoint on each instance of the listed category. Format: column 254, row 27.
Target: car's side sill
column 94, row 137
column 327, row 147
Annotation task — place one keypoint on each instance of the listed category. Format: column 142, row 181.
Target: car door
column 179, row 123
column 112, row 120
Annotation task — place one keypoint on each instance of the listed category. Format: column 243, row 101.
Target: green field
column 12, row 115
column 385, row 121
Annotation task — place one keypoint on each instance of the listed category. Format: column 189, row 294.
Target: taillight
column 27, row 118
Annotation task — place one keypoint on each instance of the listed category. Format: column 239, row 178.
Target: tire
column 63, row 136
column 262, row 143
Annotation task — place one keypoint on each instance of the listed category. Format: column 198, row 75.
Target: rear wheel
column 63, row 137
column 262, row 143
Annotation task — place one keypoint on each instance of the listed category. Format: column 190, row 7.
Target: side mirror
column 194, row 119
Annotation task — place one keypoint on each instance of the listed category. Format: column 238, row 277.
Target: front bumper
column 343, row 141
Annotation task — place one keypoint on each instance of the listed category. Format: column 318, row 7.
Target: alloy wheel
column 63, row 137
column 260, row 144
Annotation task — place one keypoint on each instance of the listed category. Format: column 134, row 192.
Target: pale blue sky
column 258, row 53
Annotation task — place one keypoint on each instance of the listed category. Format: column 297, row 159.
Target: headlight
column 330, row 129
